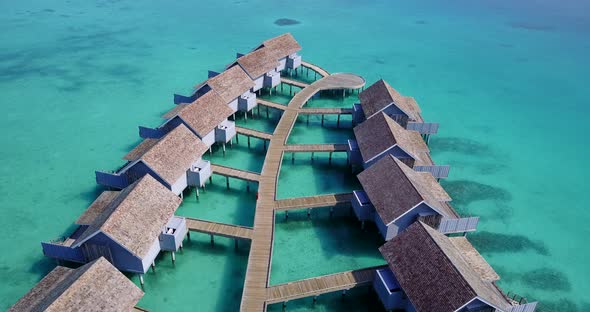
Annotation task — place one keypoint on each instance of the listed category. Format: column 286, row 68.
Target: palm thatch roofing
column 204, row 114
column 394, row 189
column 97, row 207
column 231, row 83
column 377, row 134
column 135, row 217
column 434, row 274
column 172, row 155
column 96, row 286
column 283, row 45
column 258, row 62
column 380, row 95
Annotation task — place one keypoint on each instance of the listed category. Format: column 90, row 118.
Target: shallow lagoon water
column 506, row 80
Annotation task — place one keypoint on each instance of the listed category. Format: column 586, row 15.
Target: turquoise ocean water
column 507, row 80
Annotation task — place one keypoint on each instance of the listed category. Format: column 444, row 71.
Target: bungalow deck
column 317, row 69
column 310, row 148
column 256, row 282
column 321, row 285
column 271, row 104
column 253, row 133
column 326, row 111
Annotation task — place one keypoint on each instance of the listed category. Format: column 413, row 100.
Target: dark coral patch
column 547, row 278
column 488, row 242
column 286, row 22
column 460, row 145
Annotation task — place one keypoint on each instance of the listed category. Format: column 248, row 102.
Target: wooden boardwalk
column 235, row 173
column 219, row 229
column 320, row 285
column 308, row 148
column 326, row 111
column 316, row 68
column 256, row 281
column 294, row 83
column 253, row 133
column 271, row 104
column 327, row 200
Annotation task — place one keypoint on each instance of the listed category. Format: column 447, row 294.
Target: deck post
column 154, row 266
column 231, row 143
column 330, row 159
column 312, row 156
column 315, row 298
column 309, row 212
column 338, row 122
column 237, row 138
column 212, row 240
column 141, row 279
column 248, row 141
column 248, row 186
column 322, row 120
column 293, row 158
column 173, row 257
column 246, row 116
column 290, row 90
column 210, row 181
column 258, row 110
column 331, row 212
column 344, row 293
column 267, row 112
column 182, row 195
column 197, row 192
column 236, row 244
column 227, row 182
column 188, row 236
column 223, row 149
column 308, row 119
column 210, row 150
column 286, row 214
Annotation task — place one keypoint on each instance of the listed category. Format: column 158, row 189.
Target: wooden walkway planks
column 260, row 258
column 327, row 200
column 320, row 285
column 316, row 68
column 271, row 104
column 253, row 133
column 294, row 83
column 308, row 148
column 220, row 229
column 235, row 173
column 326, row 111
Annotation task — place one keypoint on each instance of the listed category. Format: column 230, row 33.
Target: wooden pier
column 253, row 133
column 294, row 83
column 326, row 111
column 327, row 200
column 219, row 229
column 235, row 173
column 321, row 285
column 317, row 69
column 310, row 148
column 271, row 104
column 254, row 296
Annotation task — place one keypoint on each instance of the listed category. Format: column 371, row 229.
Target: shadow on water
column 466, row 192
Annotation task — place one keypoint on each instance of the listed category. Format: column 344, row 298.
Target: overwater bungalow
column 129, row 228
column 285, row 48
column 381, row 97
column 394, row 196
column 175, row 160
column 262, row 67
column 430, row 272
column 380, row 136
column 94, row 287
column 207, row 117
column 233, row 85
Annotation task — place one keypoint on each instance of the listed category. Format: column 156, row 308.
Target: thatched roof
column 395, row 188
column 231, row 83
column 172, row 155
column 283, row 45
column 136, row 216
column 377, row 134
column 96, row 286
column 380, row 95
column 434, row 273
column 205, row 113
column 97, row 207
column 258, row 62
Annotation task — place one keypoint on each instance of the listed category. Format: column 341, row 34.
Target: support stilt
column 322, row 120
column 330, row 159
column 248, row 141
column 212, row 240
column 173, row 257
column 236, row 244
column 286, row 214
column 338, row 122
column 141, row 279
column 227, row 182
